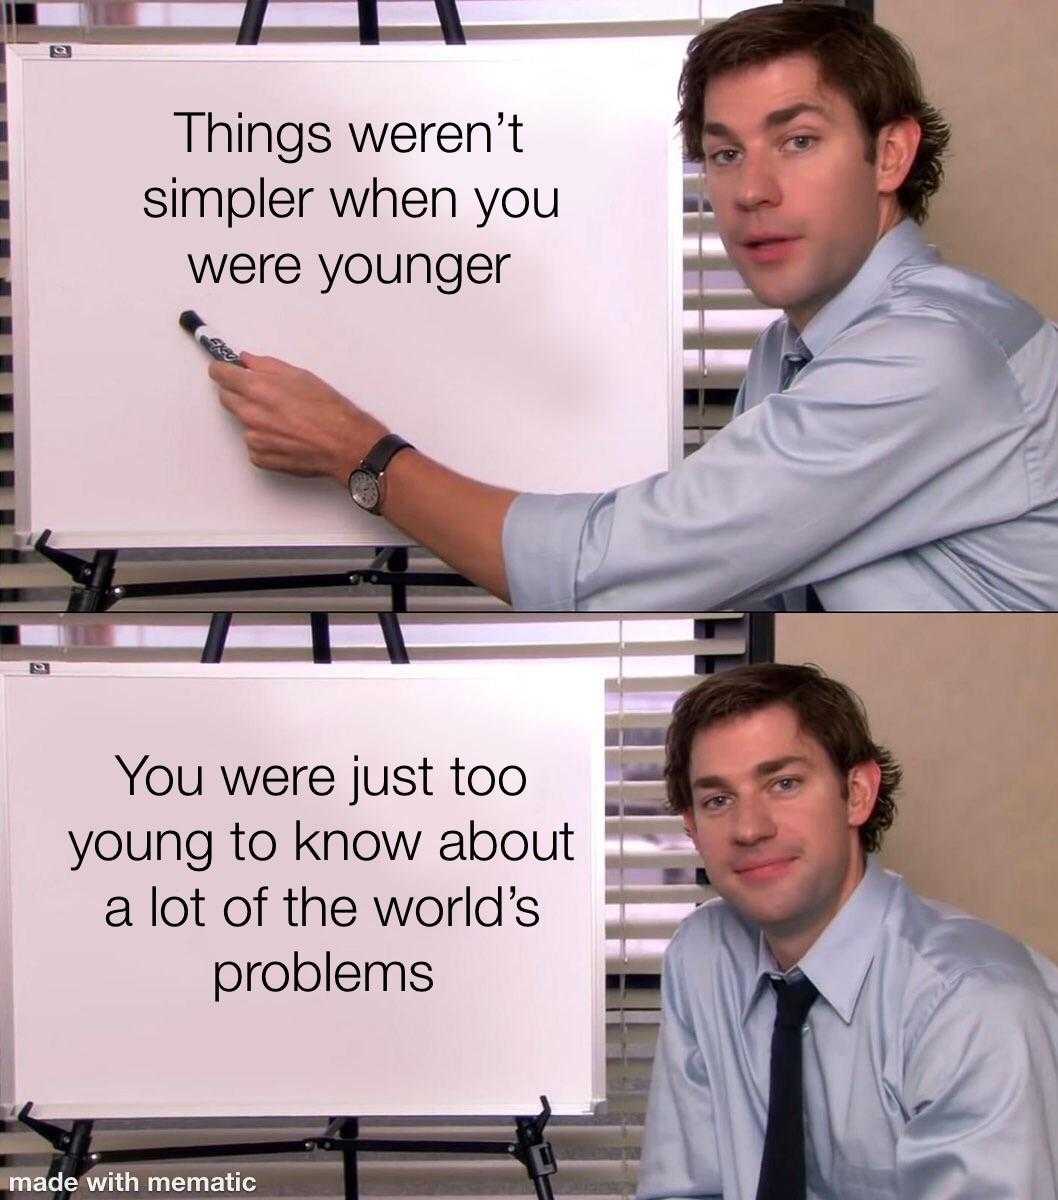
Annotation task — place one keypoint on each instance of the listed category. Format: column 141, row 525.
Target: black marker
column 207, row 339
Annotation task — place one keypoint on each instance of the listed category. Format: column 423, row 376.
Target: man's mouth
column 769, row 249
column 770, row 868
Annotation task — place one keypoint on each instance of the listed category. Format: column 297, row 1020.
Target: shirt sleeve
column 907, row 429
column 982, row 1087
column 679, row 1155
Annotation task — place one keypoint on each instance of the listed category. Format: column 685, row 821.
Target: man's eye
column 719, row 157
column 714, row 803
column 804, row 141
column 788, row 783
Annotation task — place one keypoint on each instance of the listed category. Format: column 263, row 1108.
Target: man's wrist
column 397, row 475
column 368, row 481
column 358, row 445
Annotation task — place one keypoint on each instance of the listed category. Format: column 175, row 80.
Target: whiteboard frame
column 10, row 1103
column 19, row 55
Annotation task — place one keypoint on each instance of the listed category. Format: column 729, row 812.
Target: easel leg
column 391, row 631
column 321, row 637
column 252, row 19
column 451, row 26
column 398, row 561
column 213, row 650
column 92, row 597
column 70, row 1162
column 367, row 21
column 350, row 1128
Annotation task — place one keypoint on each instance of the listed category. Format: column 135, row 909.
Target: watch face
column 363, row 487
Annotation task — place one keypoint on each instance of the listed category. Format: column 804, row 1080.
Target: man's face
column 797, row 204
column 778, row 837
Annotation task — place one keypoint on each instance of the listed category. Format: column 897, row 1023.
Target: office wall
column 989, row 66
column 969, row 704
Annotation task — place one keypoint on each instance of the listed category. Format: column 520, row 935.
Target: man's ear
column 895, row 150
column 864, row 780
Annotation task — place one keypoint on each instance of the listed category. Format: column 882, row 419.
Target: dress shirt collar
column 838, row 961
column 903, row 241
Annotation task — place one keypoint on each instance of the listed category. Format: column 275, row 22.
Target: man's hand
column 292, row 420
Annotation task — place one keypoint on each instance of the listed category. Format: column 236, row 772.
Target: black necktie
column 790, row 366
column 782, row 1168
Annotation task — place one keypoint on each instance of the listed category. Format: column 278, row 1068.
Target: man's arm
column 294, row 422
column 982, row 1090
column 679, row 1156
column 905, row 431
column 902, row 433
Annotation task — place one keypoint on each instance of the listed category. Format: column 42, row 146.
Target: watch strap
column 378, row 457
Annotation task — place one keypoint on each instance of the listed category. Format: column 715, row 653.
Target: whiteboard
column 559, row 368
column 134, row 1019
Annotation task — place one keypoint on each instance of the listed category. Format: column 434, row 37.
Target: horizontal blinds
column 647, row 661
column 721, row 317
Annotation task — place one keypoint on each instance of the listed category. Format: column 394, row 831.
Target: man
column 895, row 443
column 826, row 1032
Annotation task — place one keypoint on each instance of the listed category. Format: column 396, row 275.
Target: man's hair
column 827, row 710
column 872, row 68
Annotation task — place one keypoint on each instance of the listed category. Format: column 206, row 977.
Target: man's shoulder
column 713, row 954
column 712, row 926
column 958, row 310
column 946, row 948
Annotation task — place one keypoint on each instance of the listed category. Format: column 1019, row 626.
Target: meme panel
column 686, row 306
column 765, row 907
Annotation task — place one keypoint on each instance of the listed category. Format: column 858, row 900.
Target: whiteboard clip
column 533, row 1152
column 96, row 593
column 72, row 1156
column 54, row 1134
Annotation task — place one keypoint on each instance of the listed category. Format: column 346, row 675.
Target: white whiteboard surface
column 566, row 376
column 116, row 1022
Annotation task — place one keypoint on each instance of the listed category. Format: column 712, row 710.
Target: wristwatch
column 367, row 484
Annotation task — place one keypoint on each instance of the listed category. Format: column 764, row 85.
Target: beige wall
column 990, row 66
column 969, row 704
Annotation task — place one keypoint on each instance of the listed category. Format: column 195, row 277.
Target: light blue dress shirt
column 930, row 1057
column 911, row 464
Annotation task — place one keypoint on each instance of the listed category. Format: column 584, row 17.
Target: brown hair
column 827, row 710
column 870, row 66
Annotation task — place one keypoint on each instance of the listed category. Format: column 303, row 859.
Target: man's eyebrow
column 779, row 764
column 762, row 770
column 780, row 116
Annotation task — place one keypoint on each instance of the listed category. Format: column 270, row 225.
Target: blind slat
column 712, row 369
column 670, row 893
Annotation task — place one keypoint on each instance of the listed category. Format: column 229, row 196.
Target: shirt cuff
column 541, row 549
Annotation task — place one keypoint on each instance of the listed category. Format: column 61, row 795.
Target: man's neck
column 889, row 216
column 789, row 946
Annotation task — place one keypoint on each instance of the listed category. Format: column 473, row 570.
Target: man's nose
column 758, row 183
column 753, row 820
